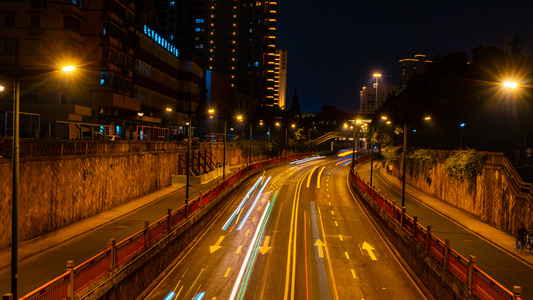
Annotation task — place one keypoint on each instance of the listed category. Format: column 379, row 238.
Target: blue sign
column 161, row 41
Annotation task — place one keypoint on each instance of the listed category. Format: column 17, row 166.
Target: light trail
column 297, row 162
column 319, row 176
column 251, row 249
column 241, row 205
column 253, row 204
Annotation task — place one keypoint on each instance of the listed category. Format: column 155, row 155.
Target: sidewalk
column 492, row 235
column 46, row 242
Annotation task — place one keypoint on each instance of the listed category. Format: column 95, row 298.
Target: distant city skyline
column 333, row 50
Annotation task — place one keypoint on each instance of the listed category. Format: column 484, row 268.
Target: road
column 497, row 263
column 294, row 232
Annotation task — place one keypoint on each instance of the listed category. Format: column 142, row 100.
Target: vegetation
column 466, row 165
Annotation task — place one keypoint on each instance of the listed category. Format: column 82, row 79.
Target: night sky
column 334, row 47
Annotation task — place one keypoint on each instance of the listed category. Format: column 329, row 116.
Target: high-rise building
column 411, row 66
column 280, row 79
column 369, row 101
column 235, row 38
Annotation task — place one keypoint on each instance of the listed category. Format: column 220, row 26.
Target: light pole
column 377, row 76
column 16, row 160
column 211, row 113
column 188, row 164
column 405, row 157
column 372, row 151
column 462, row 125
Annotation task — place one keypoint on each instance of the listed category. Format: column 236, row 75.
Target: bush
column 466, row 165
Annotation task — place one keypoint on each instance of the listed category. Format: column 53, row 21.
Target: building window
column 9, row 47
column 9, row 21
column 171, row 3
column 35, row 21
column 199, row 21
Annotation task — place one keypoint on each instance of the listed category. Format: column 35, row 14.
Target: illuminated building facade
column 411, row 66
column 235, row 38
column 280, row 79
column 367, row 100
column 127, row 74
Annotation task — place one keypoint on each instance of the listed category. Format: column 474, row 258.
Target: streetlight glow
column 510, row 84
column 2, row 88
column 211, row 111
column 239, row 117
column 68, row 69
column 169, row 109
column 377, row 74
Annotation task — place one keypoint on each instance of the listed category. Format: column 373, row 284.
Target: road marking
column 370, row 250
column 247, row 231
column 332, row 213
column 328, row 256
column 292, row 237
column 336, row 224
column 265, row 247
column 353, row 274
column 217, row 245
column 329, row 203
column 227, row 272
column 347, row 256
column 340, row 237
column 239, row 249
column 320, row 246
column 259, row 208
column 305, row 255
column 309, row 178
column 320, row 176
column 253, row 220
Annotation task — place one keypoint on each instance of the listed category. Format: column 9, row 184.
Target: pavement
column 498, row 238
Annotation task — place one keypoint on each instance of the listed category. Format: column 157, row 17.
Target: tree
column 295, row 104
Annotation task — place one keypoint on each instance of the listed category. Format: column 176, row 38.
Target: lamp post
column 211, row 113
column 16, row 160
column 405, row 157
column 188, row 164
column 372, row 151
column 462, row 125
column 377, row 76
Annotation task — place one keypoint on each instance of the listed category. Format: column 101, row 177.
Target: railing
column 104, row 263
column 46, row 148
column 463, row 269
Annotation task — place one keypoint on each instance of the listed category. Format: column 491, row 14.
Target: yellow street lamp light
column 2, row 88
column 510, row 84
column 68, row 68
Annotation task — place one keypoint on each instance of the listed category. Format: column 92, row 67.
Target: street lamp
column 240, row 118
column 17, row 75
column 211, row 113
column 405, row 157
column 510, row 84
column 377, row 76
column 462, row 125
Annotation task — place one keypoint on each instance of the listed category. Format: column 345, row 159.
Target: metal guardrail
column 78, row 278
column 465, row 270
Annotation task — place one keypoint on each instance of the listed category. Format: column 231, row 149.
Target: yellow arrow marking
column 370, row 250
column 265, row 247
column 217, row 245
column 320, row 246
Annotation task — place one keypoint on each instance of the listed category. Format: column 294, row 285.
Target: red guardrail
column 482, row 285
column 101, row 264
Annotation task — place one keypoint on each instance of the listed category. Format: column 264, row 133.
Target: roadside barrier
column 475, row 280
column 78, row 278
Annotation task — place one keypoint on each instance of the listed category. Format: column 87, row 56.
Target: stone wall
column 58, row 191
column 491, row 198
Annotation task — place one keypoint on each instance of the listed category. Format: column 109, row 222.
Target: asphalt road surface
column 294, row 232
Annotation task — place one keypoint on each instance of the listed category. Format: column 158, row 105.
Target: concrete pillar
column 70, row 286
column 470, row 276
column 517, row 291
column 446, row 252
column 146, row 232
column 112, row 243
column 428, row 237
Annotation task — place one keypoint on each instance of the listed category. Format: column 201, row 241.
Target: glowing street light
column 510, row 84
column 68, row 69
column 377, row 76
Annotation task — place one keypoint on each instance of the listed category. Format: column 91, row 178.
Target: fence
column 476, row 281
column 104, row 263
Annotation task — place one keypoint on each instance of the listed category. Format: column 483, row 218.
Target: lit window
column 199, row 21
column 171, row 37
column 198, row 29
column 171, row 3
column 256, row 64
